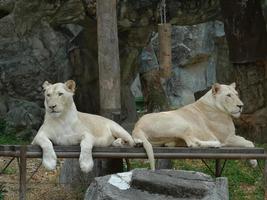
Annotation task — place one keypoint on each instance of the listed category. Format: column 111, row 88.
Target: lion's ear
column 46, row 84
column 215, row 88
column 71, row 85
column 233, row 85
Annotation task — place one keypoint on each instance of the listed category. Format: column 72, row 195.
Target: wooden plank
column 22, row 173
column 236, row 156
column 32, row 148
column 160, row 153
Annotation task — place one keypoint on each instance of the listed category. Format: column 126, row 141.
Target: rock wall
column 194, row 60
column 36, row 39
column 31, row 51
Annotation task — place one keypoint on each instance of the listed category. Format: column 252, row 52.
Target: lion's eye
column 229, row 95
column 48, row 95
column 60, row 94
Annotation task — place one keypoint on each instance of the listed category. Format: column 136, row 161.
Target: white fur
column 64, row 125
column 205, row 123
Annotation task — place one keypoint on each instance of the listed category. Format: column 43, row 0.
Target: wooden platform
column 24, row 152
column 139, row 152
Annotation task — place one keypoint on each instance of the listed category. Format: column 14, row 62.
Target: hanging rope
column 164, row 30
column 162, row 11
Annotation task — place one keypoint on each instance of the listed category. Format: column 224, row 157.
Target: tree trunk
column 245, row 30
column 109, row 70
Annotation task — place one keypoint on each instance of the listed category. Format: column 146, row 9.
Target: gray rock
column 161, row 184
column 42, row 54
column 194, row 55
column 28, row 14
column 6, row 7
column 23, row 118
column 33, row 48
column 71, row 174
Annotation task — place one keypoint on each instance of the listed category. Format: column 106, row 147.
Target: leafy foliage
column 244, row 182
column 9, row 137
column 2, row 191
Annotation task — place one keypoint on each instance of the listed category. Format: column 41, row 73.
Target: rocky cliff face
column 35, row 39
column 194, row 56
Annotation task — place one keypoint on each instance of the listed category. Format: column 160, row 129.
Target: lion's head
column 226, row 99
column 58, row 97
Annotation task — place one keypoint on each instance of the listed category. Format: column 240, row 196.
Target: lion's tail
column 139, row 135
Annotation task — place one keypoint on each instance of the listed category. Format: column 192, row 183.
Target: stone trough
column 141, row 184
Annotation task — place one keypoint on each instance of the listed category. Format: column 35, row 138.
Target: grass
column 244, row 182
column 9, row 137
column 2, row 191
column 10, row 170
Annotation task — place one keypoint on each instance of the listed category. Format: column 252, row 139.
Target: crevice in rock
column 3, row 13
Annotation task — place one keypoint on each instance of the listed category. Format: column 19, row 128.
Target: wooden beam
column 218, row 168
column 22, row 173
column 129, row 152
column 31, row 151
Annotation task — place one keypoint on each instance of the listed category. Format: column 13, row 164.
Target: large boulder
column 158, row 185
column 33, row 48
column 194, row 54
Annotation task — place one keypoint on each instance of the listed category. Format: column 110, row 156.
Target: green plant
column 2, row 191
column 10, row 170
column 7, row 136
column 244, row 182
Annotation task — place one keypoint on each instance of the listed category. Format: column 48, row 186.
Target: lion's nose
column 240, row 106
column 52, row 107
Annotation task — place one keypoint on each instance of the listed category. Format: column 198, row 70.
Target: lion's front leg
column 49, row 155
column 238, row 141
column 86, row 159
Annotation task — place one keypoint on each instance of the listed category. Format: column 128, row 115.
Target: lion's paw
column 131, row 143
column 211, row 144
column 118, row 142
column 50, row 164
column 253, row 163
column 216, row 144
column 138, row 142
column 86, row 166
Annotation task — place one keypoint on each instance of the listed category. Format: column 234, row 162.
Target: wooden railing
column 22, row 153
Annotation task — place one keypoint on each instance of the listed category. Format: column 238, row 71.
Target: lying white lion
column 64, row 125
column 204, row 123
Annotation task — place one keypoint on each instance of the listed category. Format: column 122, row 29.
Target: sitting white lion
column 64, row 125
column 204, row 123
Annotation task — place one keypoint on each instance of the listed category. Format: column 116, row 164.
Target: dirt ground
column 44, row 185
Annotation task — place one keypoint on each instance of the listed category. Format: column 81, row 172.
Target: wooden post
column 109, row 67
column 22, row 173
column 218, row 168
column 165, row 49
column 265, row 175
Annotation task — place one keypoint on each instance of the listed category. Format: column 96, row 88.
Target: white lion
column 204, row 123
column 64, row 125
